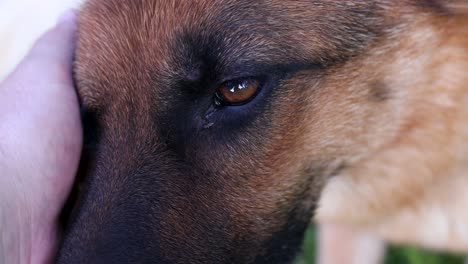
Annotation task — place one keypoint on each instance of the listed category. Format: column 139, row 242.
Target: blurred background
column 395, row 254
column 23, row 21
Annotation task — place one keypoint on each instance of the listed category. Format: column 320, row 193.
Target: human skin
column 40, row 146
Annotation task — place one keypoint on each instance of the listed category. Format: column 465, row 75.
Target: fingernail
column 67, row 17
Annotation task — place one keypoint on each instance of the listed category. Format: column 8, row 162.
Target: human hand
column 40, row 146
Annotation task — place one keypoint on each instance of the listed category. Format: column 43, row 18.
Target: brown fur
column 355, row 90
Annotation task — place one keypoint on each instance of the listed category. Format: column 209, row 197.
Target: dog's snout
column 114, row 230
column 116, row 214
column 118, row 239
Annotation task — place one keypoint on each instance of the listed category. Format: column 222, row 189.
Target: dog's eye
column 237, row 92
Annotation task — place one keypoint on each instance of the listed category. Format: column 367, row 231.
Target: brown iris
column 237, row 92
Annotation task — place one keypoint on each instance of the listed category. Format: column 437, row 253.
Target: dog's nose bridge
column 111, row 229
column 118, row 204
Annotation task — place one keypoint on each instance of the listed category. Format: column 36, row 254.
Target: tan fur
column 413, row 186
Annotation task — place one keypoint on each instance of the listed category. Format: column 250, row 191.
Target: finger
column 38, row 99
column 45, row 74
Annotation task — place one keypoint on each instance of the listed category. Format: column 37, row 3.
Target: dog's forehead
column 142, row 44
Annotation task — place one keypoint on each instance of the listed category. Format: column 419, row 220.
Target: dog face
column 213, row 125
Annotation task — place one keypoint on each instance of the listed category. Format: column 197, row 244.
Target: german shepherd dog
column 217, row 129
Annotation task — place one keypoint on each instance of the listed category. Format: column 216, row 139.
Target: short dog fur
column 361, row 118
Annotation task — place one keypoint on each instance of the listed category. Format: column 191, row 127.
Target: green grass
column 308, row 256
column 412, row 255
column 395, row 254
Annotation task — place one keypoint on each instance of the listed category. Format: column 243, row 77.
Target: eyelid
column 260, row 78
column 259, row 69
column 244, row 73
